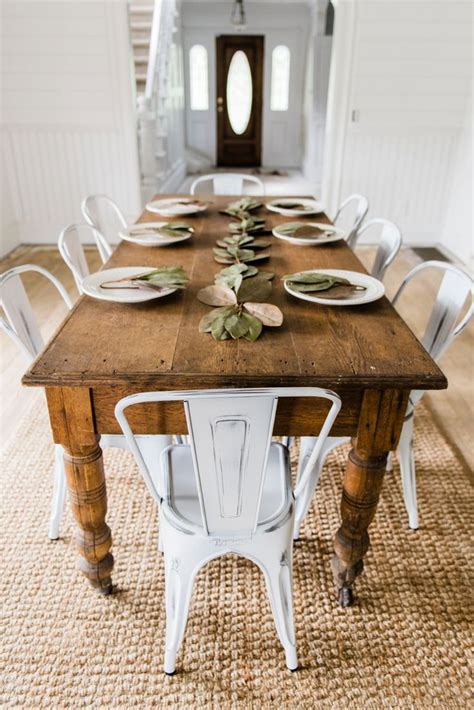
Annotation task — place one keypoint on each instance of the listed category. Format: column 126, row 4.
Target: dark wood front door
column 239, row 100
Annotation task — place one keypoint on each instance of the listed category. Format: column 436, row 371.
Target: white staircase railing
column 152, row 118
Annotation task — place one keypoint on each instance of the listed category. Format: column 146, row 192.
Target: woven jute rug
column 404, row 644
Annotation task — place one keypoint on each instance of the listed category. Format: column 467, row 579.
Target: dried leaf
column 217, row 296
column 267, row 313
column 260, row 244
column 218, row 328
column 254, row 327
column 207, row 320
column 236, row 325
column 254, row 289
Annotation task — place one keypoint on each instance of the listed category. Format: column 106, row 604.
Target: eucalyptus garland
column 240, row 290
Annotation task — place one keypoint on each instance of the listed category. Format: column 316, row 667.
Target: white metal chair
column 389, row 243
column 101, row 212
column 72, row 251
column 351, row 214
column 228, row 183
column 21, row 325
column 444, row 325
column 229, row 491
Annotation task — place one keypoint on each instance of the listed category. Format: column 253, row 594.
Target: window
column 239, row 92
column 280, row 86
column 198, row 78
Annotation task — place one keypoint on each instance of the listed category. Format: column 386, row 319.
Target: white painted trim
column 339, row 97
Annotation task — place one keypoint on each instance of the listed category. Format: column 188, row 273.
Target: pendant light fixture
column 238, row 18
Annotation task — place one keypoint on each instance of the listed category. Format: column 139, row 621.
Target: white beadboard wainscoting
column 68, row 115
column 399, row 90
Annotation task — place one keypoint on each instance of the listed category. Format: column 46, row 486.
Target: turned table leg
column 380, row 423
column 72, row 422
column 88, row 499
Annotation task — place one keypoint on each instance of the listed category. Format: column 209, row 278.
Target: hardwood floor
column 453, row 408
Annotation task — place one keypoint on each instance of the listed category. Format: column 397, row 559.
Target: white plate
column 337, row 234
column 311, row 206
column 375, row 288
column 151, row 239
column 171, row 207
column 91, row 286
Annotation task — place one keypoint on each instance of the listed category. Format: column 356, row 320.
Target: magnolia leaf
column 164, row 277
column 254, row 327
column 267, row 275
column 218, row 329
column 249, row 271
column 311, row 281
column 257, row 257
column 260, row 243
column 217, row 296
column 254, row 289
column 207, row 320
column 223, row 253
column 236, row 325
column 267, row 313
column 231, row 280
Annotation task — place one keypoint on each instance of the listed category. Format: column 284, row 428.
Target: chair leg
column 304, row 499
column 279, row 580
column 58, row 501
column 151, row 448
column 408, row 473
column 179, row 579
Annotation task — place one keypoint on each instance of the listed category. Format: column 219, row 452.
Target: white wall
column 407, row 78
column 280, row 24
column 457, row 235
column 68, row 115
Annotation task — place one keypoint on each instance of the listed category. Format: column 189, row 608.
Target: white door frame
column 339, row 100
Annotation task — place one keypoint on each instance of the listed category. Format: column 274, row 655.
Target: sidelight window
column 198, row 78
column 280, row 84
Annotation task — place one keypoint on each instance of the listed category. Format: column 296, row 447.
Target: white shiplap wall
column 68, row 113
column 409, row 85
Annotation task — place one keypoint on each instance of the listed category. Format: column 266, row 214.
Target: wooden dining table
column 104, row 351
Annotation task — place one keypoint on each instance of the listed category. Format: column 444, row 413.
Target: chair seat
column 181, row 490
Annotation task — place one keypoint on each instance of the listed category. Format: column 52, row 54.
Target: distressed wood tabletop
column 158, row 342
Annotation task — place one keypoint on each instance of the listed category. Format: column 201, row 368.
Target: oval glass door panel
column 239, row 92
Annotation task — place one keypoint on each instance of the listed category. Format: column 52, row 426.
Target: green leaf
column 254, row 327
column 260, row 243
column 218, row 328
column 254, row 289
column 249, row 271
column 236, row 326
column 164, row 277
column 207, row 320
column 306, row 281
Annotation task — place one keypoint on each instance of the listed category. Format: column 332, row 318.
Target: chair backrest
column 101, row 212
column 72, row 251
column 351, row 214
column 389, row 243
column 228, row 183
column 230, row 433
column 20, row 322
column 445, row 321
